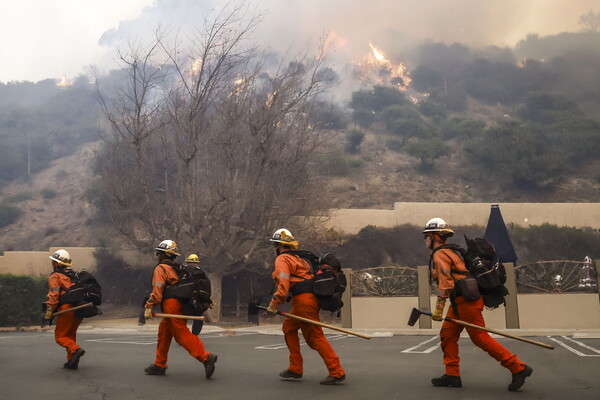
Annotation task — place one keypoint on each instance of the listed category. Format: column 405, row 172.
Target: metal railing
column 558, row 276
column 385, row 281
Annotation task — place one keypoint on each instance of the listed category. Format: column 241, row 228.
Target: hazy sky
column 59, row 38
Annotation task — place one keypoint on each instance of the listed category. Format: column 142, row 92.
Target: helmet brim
column 61, row 262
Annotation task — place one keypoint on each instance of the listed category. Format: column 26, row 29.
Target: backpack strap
column 307, row 255
column 458, row 250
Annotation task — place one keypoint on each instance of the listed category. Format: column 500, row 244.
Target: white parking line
column 426, row 351
column 146, row 339
column 135, row 340
column 283, row 346
column 575, row 351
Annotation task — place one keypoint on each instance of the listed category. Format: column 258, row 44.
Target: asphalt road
column 398, row 367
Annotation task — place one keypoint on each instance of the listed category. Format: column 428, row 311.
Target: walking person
column 197, row 324
column 447, row 268
column 290, row 275
column 164, row 275
column 65, row 332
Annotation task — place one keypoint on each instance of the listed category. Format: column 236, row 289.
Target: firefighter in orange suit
column 65, row 332
column 289, row 277
column 444, row 262
column 165, row 274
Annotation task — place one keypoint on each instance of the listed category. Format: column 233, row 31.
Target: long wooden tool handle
column 198, row 318
column 483, row 328
column 321, row 324
column 56, row 314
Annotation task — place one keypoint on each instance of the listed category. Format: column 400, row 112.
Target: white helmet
column 169, row 247
column 440, row 226
column 62, row 257
column 282, row 236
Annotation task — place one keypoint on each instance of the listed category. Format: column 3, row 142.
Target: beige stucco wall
column 536, row 311
column 37, row 263
column 382, row 312
column 559, row 311
column 577, row 215
column 393, row 313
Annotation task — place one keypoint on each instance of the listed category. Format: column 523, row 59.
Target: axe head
column 414, row 316
column 253, row 309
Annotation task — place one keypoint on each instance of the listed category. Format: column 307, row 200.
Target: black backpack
column 85, row 289
column 193, row 289
column 482, row 263
column 328, row 283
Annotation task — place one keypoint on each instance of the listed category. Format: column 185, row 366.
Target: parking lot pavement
column 250, row 358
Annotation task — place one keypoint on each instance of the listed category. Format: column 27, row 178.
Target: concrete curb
column 151, row 327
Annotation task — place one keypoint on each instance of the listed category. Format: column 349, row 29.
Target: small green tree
column 427, row 150
column 459, row 127
column 354, row 139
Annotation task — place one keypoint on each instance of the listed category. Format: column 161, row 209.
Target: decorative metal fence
column 385, row 281
column 561, row 276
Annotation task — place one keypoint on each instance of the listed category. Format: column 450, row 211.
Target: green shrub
column 355, row 138
column 17, row 198
column 8, row 214
column 334, row 164
column 50, row 231
column 394, row 145
column 20, row 299
column 48, row 193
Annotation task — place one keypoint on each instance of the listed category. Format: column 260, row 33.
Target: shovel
column 254, row 306
column 416, row 313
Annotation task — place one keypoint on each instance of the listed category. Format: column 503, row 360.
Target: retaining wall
column 578, row 215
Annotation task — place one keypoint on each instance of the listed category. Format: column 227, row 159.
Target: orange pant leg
column 450, row 334
column 306, row 305
column 472, row 312
column 290, row 333
column 177, row 329
column 164, row 343
column 65, row 332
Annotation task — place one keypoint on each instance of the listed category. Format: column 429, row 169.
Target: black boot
column 287, row 374
column 518, row 379
column 73, row 363
column 155, row 370
column 332, row 380
column 209, row 365
column 447, row 381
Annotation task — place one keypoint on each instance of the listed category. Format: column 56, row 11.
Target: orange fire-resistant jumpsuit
column 65, row 332
column 304, row 305
column 170, row 328
column 444, row 261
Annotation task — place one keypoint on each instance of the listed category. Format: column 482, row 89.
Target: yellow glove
column 437, row 314
column 272, row 309
column 148, row 313
column 48, row 314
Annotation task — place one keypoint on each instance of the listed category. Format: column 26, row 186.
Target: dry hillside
column 383, row 177
column 57, row 221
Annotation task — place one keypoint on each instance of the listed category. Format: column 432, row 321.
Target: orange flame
column 376, row 53
column 375, row 69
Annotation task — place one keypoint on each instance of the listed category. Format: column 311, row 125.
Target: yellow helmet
column 439, row 226
column 192, row 259
column 62, row 257
column 169, row 247
column 284, row 236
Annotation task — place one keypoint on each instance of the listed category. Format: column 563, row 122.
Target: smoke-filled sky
column 59, row 38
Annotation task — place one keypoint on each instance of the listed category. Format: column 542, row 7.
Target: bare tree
column 210, row 146
column 590, row 22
